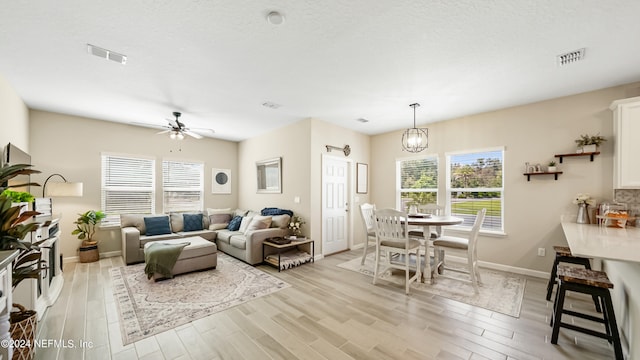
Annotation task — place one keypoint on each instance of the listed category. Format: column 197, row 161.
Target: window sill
column 109, row 226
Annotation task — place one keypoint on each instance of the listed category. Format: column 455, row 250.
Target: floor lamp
column 56, row 189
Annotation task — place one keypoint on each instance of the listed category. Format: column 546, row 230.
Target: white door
column 335, row 195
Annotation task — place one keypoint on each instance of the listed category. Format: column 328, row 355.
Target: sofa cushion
column 219, row 211
column 192, row 222
column 157, row 225
column 225, row 235
column 280, row 221
column 219, row 221
column 259, row 222
column 238, row 241
column 134, row 220
column 177, row 220
column 234, row 224
column 246, row 220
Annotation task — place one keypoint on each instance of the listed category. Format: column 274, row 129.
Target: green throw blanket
column 160, row 258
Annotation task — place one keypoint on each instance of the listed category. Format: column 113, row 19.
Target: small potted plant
column 589, row 143
column 19, row 198
column 85, row 230
column 296, row 225
column 551, row 167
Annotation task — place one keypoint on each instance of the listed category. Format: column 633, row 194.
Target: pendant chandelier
column 415, row 140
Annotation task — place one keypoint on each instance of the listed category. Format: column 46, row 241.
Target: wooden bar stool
column 563, row 254
column 595, row 283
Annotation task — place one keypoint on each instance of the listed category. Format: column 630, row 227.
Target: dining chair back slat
column 369, row 222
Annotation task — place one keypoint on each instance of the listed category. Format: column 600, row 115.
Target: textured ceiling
column 337, row 61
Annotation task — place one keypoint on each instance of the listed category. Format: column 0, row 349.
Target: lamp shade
column 58, row 189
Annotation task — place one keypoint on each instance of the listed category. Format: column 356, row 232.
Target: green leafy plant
column 86, row 225
column 551, row 163
column 587, row 139
column 19, row 196
column 14, row 228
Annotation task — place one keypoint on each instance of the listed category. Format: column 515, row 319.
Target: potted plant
column 589, row 143
column 551, row 167
column 85, row 230
column 19, row 198
column 28, row 264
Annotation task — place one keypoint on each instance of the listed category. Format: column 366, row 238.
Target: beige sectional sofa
column 134, row 233
column 244, row 243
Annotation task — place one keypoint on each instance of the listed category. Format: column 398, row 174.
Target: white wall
column 530, row 133
column 14, row 117
column 72, row 146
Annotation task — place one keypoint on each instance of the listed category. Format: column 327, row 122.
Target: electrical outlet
column 541, row 252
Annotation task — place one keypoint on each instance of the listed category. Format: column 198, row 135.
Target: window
column 182, row 185
column 127, row 186
column 475, row 181
column 418, row 182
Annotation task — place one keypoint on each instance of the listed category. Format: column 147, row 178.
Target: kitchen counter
column 593, row 241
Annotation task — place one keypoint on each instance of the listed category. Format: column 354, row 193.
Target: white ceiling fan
column 177, row 129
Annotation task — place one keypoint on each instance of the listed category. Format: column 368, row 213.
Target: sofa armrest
column 130, row 244
column 256, row 238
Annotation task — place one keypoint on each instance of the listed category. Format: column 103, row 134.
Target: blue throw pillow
column 275, row 212
column 234, row 224
column 192, row 222
column 157, row 225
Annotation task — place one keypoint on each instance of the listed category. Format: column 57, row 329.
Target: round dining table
column 426, row 221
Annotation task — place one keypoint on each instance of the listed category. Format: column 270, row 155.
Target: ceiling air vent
column 362, row 120
column 106, row 54
column 570, row 57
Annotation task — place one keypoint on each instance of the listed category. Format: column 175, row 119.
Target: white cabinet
column 626, row 149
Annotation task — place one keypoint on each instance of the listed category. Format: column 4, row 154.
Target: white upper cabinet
column 626, row 149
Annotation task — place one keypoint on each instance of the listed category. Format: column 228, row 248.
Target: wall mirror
column 269, row 175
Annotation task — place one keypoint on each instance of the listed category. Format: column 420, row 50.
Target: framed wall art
column 362, row 178
column 221, row 181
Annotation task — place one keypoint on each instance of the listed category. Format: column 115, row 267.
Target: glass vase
column 583, row 214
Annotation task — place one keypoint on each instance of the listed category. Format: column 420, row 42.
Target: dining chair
column 366, row 213
column 468, row 244
column 392, row 237
column 431, row 209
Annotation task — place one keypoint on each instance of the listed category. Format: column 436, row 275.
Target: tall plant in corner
column 13, row 228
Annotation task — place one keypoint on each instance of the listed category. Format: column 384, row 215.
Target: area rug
column 147, row 308
column 500, row 291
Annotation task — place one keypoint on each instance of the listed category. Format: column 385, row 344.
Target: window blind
column 182, row 185
column 418, row 182
column 127, row 186
column 475, row 181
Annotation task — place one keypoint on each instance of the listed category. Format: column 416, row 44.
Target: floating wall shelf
column 590, row 154
column 554, row 173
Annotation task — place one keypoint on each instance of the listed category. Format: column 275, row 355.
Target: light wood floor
column 327, row 313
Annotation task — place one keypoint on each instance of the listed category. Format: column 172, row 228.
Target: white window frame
column 191, row 184
column 113, row 217
column 449, row 189
column 400, row 190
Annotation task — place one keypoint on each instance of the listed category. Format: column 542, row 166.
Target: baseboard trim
column 108, row 254
column 501, row 267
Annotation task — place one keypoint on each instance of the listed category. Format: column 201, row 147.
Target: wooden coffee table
column 269, row 248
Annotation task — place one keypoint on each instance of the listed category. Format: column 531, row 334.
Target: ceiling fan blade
column 153, row 126
column 203, row 130
column 192, row 134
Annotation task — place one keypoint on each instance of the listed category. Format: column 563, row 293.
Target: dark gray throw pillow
column 192, row 222
column 234, row 224
column 157, row 225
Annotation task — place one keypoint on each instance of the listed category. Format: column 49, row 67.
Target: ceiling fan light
column 172, row 135
column 180, row 136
